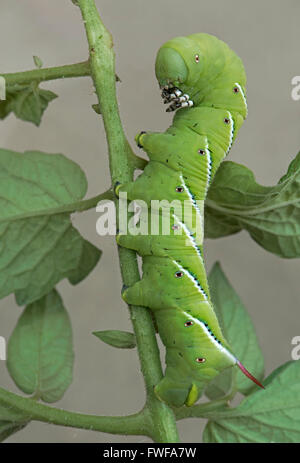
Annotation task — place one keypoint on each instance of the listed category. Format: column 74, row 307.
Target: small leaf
column 27, row 102
column 7, row 428
column 6, row 106
column 39, row 246
column 238, row 330
column 270, row 415
column 218, row 224
column 38, row 62
column 40, row 352
column 116, row 338
column 276, row 372
column 11, row 420
column 88, row 260
column 30, row 104
column 271, row 215
column 96, row 108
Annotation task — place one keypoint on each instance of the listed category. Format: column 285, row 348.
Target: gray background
column 266, row 36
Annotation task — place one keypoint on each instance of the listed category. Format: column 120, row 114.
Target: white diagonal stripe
column 219, row 346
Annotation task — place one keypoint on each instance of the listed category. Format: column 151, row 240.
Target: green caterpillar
column 202, row 78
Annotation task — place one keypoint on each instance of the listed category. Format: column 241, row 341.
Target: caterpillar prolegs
column 203, row 80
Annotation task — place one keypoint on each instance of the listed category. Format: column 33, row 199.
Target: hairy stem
column 102, row 61
column 31, row 410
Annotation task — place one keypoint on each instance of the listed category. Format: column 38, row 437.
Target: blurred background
column 266, row 36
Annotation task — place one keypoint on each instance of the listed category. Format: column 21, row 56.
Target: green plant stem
column 78, row 206
column 86, row 204
column 239, row 212
column 102, row 63
column 136, row 424
column 44, row 74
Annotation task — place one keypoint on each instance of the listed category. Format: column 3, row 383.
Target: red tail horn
column 246, row 372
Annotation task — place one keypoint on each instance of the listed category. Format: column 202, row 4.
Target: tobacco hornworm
column 202, row 78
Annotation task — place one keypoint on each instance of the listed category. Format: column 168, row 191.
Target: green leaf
column 7, row 104
column 276, row 372
column 40, row 351
column 238, row 330
column 11, row 420
column 38, row 245
column 271, row 215
column 96, row 108
column 28, row 103
column 88, row 260
column 270, row 415
column 218, row 224
column 38, row 62
column 7, row 428
column 116, row 338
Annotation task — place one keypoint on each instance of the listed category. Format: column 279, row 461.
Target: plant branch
column 78, row 206
column 31, row 410
column 86, row 204
column 240, row 212
column 44, row 74
column 102, row 61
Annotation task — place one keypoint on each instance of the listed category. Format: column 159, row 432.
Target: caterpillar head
column 198, row 69
column 178, row 63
